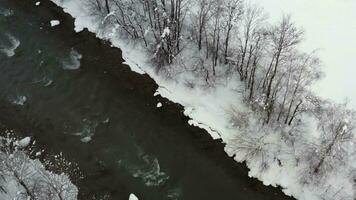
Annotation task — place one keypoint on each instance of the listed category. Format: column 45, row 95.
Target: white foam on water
column 152, row 174
column 174, row 194
column 19, row 100
column 148, row 171
column 9, row 50
column 106, row 121
column 86, row 139
column 87, row 131
column 48, row 83
column 6, row 12
column 73, row 61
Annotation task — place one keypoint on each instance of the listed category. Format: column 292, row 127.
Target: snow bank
column 207, row 108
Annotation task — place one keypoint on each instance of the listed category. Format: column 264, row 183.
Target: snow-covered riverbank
column 208, row 108
column 24, row 178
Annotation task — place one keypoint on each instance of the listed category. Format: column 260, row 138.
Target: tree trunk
column 107, row 6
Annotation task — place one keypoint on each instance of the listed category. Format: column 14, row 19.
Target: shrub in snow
column 237, row 118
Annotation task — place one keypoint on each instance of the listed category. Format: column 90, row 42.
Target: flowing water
column 72, row 94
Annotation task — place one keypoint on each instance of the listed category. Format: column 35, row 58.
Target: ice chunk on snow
column 132, row 197
column 55, row 22
column 159, row 105
column 38, row 3
column 24, row 142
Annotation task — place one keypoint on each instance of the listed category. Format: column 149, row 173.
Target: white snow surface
column 132, row 197
column 24, row 142
column 208, row 108
column 55, row 22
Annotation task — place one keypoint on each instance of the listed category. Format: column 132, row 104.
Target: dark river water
column 104, row 117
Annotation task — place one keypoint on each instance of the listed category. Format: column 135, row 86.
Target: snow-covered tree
column 337, row 126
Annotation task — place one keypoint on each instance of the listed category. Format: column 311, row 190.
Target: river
column 72, row 93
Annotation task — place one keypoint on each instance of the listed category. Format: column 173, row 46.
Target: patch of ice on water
column 132, row 197
column 73, row 61
column 9, row 49
column 38, row 3
column 55, row 23
column 159, row 104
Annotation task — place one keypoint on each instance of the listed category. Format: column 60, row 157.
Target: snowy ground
column 24, row 178
column 208, row 108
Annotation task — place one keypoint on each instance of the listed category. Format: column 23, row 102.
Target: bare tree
column 233, row 13
column 251, row 24
column 201, row 17
column 284, row 37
